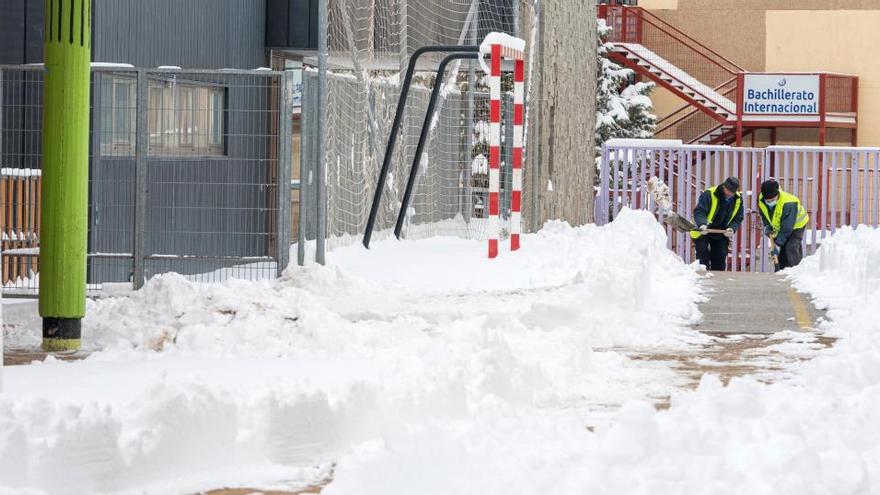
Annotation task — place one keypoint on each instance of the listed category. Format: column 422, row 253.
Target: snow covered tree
column 623, row 109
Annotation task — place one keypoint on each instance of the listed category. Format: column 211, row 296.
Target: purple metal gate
column 838, row 186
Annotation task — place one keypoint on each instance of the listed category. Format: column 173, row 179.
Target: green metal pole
column 64, row 200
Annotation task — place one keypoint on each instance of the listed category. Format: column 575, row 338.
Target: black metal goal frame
column 457, row 53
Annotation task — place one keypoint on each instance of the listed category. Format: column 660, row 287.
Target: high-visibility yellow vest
column 803, row 218
column 713, row 209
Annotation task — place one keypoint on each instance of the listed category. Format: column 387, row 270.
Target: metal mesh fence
column 369, row 44
column 184, row 175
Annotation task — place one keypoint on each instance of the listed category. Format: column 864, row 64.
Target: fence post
column 533, row 136
column 603, row 185
column 1, row 117
column 95, row 171
column 320, row 170
column 854, row 101
column 305, row 159
column 467, row 158
column 507, row 153
column 285, row 153
column 854, row 188
column 140, row 170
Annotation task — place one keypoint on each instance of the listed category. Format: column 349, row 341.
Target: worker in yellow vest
column 785, row 220
column 719, row 208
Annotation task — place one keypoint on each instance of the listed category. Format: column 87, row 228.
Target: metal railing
column 189, row 171
column 690, row 124
column 708, row 79
column 637, row 25
column 837, row 186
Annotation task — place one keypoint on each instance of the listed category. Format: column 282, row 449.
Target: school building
column 835, row 37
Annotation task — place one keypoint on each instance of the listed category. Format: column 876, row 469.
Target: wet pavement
column 315, row 490
column 18, row 357
column 754, row 303
column 759, row 327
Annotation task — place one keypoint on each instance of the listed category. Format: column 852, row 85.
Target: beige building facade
column 788, row 36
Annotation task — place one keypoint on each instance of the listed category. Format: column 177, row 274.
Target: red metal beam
column 654, row 20
column 740, row 86
column 689, row 110
column 650, row 75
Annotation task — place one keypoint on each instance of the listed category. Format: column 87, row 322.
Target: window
column 216, row 112
column 186, row 119
column 185, row 112
column 117, row 115
column 156, row 116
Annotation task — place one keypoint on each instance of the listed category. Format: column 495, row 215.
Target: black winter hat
column 770, row 189
column 731, row 184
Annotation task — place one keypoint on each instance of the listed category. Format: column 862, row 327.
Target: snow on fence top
column 642, row 143
column 20, row 172
column 516, row 47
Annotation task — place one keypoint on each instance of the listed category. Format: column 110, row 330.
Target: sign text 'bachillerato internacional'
column 781, row 94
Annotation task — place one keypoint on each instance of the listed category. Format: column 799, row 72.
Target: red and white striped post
column 502, row 46
column 494, row 148
column 518, row 118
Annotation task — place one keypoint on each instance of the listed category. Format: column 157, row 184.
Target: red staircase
column 702, row 77
column 712, row 85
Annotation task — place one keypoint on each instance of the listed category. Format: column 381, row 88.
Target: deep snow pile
column 191, row 386
column 617, row 285
column 817, row 433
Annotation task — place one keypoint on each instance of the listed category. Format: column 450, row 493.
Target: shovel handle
column 711, row 231
column 775, row 258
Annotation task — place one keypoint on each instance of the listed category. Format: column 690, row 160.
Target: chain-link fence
column 189, row 171
column 368, row 45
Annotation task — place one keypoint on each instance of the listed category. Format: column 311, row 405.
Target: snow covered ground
column 191, row 386
column 815, row 433
column 423, row 367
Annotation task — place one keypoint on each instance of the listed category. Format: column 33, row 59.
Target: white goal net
column 370, row 42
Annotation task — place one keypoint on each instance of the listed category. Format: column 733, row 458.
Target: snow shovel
column 756, row 222
column 660, row 192
column 685, row 226
column 775, row 257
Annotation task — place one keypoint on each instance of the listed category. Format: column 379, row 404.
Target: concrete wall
column 794, row 43
column 741, row 31
column 659, row 4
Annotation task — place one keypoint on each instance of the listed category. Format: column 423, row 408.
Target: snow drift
column 191, row 386
column 816, row 433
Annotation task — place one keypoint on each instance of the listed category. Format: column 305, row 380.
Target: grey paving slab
column 754, row 303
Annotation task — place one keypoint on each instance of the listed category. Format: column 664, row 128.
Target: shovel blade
column 679, row 223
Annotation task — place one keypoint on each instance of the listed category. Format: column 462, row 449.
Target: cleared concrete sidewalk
column 759, row 325
column 754, row 303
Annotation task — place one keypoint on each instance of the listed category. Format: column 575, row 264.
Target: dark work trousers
column 792, row 252
column 712, row 251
